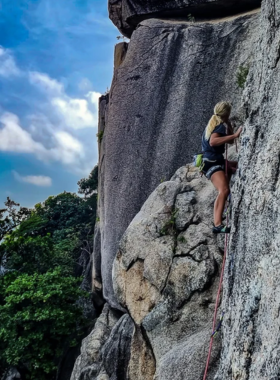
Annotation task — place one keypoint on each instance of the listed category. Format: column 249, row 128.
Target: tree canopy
column 39, row 291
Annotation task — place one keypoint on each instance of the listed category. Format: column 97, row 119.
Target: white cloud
column 61, row 127
column 13, row 138
column 73, row 113
column 94, row 98
column 8, row 66
column 64, row 147
column 68, row 149
column 45, row 83
column 37, row 180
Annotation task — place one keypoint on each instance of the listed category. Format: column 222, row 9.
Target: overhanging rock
column 127, row 14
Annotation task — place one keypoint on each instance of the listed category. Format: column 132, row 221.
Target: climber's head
column 221, row 113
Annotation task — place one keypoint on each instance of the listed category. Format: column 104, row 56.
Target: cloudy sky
column 56, row 59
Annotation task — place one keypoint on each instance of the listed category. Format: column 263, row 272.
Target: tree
column 89, row 185
column 39, row 288
column 38, row 313
column 30, row 254
column 11, row 216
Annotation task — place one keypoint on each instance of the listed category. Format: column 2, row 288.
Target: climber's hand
column 238, row 132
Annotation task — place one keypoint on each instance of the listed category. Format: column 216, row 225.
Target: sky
column 56, row 60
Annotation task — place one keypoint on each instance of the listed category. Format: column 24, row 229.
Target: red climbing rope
column 219, row 293
column 216, row 310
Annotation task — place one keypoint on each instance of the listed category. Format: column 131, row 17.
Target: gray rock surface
column 142, row 362
column 89, row 364
column 11, row 374
column 186, row 359
column 116, row 351
column 166, row 264
column 160, row 101
column 251, row 346
column 168, row 284
column 126, row 14
column 184, row 209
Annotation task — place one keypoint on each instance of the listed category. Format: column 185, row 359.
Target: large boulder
column 161, row 98
column 127, row 14
column 166, row 274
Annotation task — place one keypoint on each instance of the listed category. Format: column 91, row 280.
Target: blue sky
column 56, row 59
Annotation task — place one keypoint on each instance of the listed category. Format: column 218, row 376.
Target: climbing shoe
column 221, row 229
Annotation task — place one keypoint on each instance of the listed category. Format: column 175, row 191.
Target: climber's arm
column 216, row 139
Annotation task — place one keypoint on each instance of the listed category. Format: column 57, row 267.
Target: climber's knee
column 224, row 192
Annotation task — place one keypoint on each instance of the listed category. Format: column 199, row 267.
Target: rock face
column 167, row 276
column 251, row 299
column 154, row 227
column 160, row 101
column 126, row 14
column 115, row 349
column 89, row 363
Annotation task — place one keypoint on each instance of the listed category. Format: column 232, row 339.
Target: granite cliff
column 155, row 260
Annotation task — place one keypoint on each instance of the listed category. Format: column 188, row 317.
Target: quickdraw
column 218, row 328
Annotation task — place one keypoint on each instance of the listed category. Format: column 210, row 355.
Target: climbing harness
column 214, row 329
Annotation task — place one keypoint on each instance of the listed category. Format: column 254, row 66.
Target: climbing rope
column 216, row 311
column 214, row 329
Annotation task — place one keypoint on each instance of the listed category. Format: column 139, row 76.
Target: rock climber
column 219, row 132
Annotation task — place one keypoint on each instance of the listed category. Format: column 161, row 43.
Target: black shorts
column 212, row 167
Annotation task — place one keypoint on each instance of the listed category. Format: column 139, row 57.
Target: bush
column 241, row 76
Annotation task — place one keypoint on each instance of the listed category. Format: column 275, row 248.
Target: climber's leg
column 220, row 182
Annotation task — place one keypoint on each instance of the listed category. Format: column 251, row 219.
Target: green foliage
column 241, row 76
column 11, row 216
column 62, row 211
column 39, row 291
column 182, row 239
column 88, row 185
column 169, row 227
column 54, row 233
column 191, row 18
column 99, row 136
column 37, row 313
column 27, row 254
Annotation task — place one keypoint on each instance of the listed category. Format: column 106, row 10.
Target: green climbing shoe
column 221, row 229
